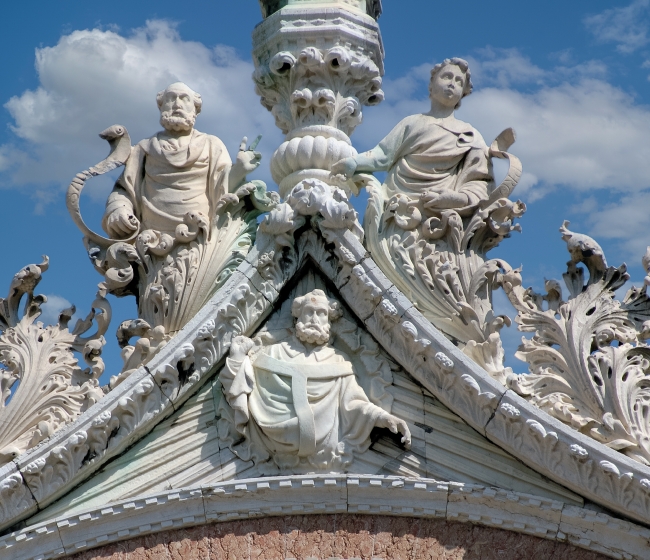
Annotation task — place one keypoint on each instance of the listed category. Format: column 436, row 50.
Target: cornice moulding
column 333, row 494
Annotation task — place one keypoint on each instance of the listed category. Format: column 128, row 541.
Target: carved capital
column 315, row 69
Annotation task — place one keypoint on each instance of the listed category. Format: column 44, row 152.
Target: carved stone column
column 317, row 64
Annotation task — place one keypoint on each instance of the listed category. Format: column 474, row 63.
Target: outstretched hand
column 346, row 167
column 246, row 162
column 396, row 425
column 250, row 159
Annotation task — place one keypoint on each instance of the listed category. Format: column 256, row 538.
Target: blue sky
column 570, row 77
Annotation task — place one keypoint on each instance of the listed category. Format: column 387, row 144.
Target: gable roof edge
column 43, row 474
column 393, row 496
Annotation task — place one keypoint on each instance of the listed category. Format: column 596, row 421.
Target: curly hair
column 335, row 311
column 463, row 65
column 196, row 97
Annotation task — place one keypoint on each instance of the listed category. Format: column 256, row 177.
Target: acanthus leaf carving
column 42, row 385
column 14, row 496
column 589, row 365
column 311, row 203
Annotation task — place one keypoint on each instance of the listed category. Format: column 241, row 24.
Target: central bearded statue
column 298, row 403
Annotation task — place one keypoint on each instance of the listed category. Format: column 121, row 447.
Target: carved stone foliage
column 590, row 366
column 172, row 278
column 311, row 204
column 315, row 74
column 42, row 385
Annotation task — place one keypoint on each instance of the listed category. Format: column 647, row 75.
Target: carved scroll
column 42, row 385
column 590, row 365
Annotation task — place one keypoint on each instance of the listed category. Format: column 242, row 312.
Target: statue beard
column 312, row 333
column 177, row 123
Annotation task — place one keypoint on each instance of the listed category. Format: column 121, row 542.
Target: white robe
column 422, row 153
column 160, row 186
column 300, row 409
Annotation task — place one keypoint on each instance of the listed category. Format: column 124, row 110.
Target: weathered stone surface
column 307, row 378
column 339, row 536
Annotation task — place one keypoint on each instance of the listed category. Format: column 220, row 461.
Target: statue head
column 314, row 313
column 179, row 105
column 451, row 80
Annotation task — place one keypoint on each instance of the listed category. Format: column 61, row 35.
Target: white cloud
column 627, row 26
column 94, row 78
column 625, row 221
column 51, row 309
column 585, row 135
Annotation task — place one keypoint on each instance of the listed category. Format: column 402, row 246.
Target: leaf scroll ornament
column 590, row 366
column 42, row 385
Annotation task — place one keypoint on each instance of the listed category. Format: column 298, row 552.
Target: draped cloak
column 298, row 408
column 423, row 152
column 161, row 185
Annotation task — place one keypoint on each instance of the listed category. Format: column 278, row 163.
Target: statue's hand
column 395, row 425
column 240, row 347
column 121, row 223
column 431, row 199
column 247, row 160
column 345, row 167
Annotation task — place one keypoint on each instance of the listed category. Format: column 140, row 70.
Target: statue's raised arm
column 430, row 224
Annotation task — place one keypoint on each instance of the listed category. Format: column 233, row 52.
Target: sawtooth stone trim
column 329, row 494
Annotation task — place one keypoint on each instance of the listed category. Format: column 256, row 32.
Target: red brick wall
column 344, row 536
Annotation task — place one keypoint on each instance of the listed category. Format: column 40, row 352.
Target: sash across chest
column 300, row 375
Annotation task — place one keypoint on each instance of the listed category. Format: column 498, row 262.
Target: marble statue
column 434, row 156
column 180, row 219
column 429, row 225
column 298, row 403
column 177, row 171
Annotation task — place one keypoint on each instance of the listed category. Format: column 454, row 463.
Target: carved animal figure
column 583, row 249
column 120, row 143
column 130, row 328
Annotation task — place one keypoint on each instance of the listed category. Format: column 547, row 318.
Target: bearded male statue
column 181, row 218
column 177, row 171
column 298, row 403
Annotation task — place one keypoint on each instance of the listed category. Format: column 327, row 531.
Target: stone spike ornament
column 42, row 385
column 316, row 66
column 180, row 219
column 589, row 361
